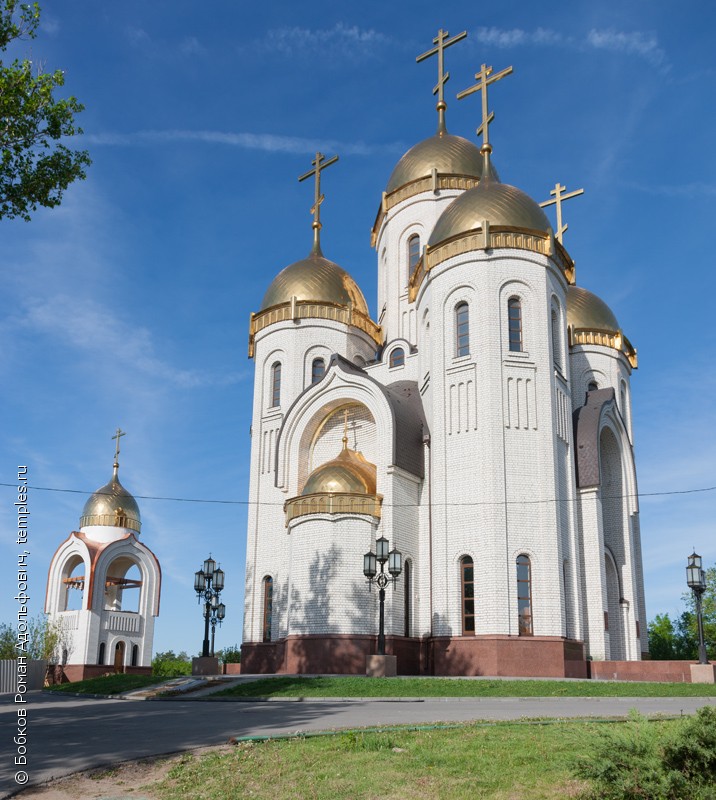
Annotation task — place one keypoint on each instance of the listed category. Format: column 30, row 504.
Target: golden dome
column 498, row 203
column 586, row 311
column 315, row 279
column 348, row 473
column 449, row 155
column 112, row 505
column 591, row 321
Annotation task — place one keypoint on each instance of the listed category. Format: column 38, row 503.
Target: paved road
column 67, row 734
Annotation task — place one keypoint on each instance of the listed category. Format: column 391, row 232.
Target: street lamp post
column 394, row 559
column 696, row 578
column 208, row 584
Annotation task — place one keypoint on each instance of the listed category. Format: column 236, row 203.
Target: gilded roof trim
column 333, row 503
column 308, row 309
column 497, row 237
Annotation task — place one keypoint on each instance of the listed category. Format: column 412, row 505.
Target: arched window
column 268, row 607
column 556, row 339
column 397, row 357
column 514, row 315
column 413, row 252
column 408, row 589
column 467, row 580
column 276, row 384
column 135, row 655
column 462, row 330
column 592, row 386
column 622, row 399
column 318, row 370
column 524, row 595
column 100, row 657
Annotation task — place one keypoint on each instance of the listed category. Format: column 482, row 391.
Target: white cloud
column 138, row 37
column 267, row 142
column 644, row 45
column 191, row 46
column 635, row 43
column 94, row 329
column 339, row 40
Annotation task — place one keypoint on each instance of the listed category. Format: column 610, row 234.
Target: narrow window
column 514, row 314
column 462, row 330
column 556, row 349
column 467, row 575
column 413, row 252
column 592, row 386
column 622, row 399
column 408, row 588
column 524, row 595
column 276, row 384
column 318, row 370
column 268, row 607
column 397, row 357
column 100, row 657
column 135, row 655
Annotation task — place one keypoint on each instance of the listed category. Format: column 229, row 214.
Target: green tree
column 36, row 167
column 169, row 665
column 678, row 638
column 45, row 640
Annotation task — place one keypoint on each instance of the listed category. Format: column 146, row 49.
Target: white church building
column 482, row 425
column 103, row 587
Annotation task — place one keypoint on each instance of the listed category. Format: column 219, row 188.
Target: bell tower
column 103, row 586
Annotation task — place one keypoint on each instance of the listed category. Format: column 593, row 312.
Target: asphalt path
column 70, row 734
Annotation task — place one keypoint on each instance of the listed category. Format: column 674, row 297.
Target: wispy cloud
column 634, row 43
column 163, row 49
column 693, row 189
column 341, row 39
column 267, row 142
column 94, row 328
column 644, row 45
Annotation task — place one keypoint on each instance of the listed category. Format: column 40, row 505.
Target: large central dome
column 449, row 155
column 315, row 279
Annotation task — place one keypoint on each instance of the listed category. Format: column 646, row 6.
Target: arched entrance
column 119, row 657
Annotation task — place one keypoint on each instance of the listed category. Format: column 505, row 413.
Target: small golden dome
column 449, row 155
column 586, row 311
column 348, row 473
column 112, row 505
column 591, row 321
column 318, row 280
column 498, row 203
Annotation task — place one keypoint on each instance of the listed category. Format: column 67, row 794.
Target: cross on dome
column 483, row 81
column 441, row 41
column 117, row 436
column 319, row 164
column 559, row 198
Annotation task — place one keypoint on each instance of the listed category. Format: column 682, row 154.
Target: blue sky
column 129, row 305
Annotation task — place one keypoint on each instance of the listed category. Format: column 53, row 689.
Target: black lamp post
column 394, row 558
column 208, row 583
column 696, row 578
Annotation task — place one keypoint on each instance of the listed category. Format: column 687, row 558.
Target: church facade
column 482, row 425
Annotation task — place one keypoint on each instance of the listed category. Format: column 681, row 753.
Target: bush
column 171, row 665
column 633, row 762
column 231, row 655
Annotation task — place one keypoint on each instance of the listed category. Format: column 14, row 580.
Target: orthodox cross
column 559, row 198
column 319, row 164
column 345, row 431
column 441, row 41
column 117, row 436
column 484, row 79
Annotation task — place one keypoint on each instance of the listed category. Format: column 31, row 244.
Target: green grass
column 503, row 761
column 449, row 687
column 107, row 684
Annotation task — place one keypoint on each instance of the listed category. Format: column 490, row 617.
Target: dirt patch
column 131, row 780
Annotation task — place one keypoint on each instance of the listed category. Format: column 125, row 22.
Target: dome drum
column 309, row 309
column 333, row 503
